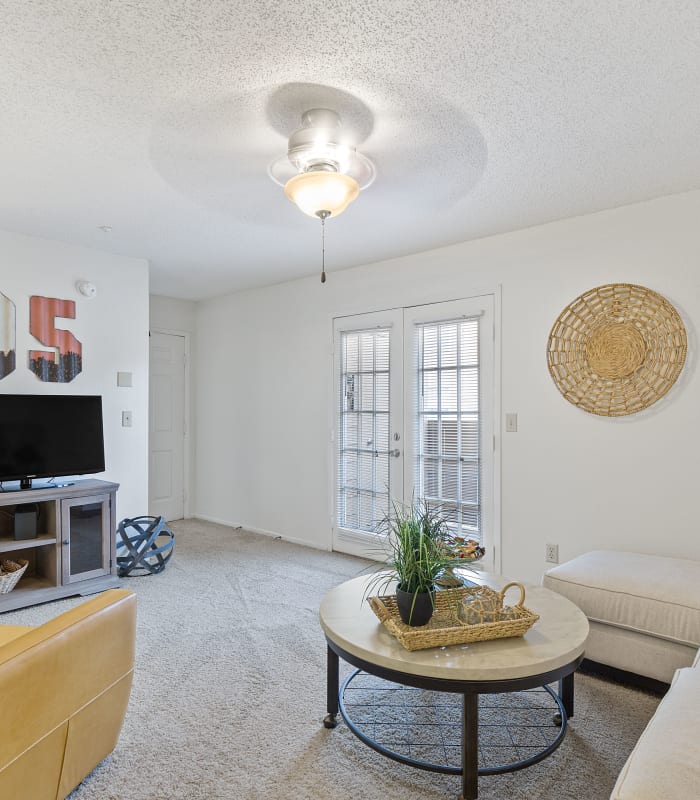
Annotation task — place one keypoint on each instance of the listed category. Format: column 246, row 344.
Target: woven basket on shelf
column 446, row 627
column 9, row 578
column 616, row 349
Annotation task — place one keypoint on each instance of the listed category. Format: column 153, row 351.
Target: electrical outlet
column 551, row 553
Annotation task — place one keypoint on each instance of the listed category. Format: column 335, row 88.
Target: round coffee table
column 550, row 651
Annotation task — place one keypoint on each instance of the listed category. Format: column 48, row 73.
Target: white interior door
column 167, row 426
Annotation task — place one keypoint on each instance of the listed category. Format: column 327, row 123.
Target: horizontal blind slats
column 447, row 425
column 363, row 460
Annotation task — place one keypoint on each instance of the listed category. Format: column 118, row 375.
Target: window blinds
column 447, row 421
column 363, row 452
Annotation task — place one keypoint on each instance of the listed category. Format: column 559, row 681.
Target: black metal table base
column 543, row 722
column 561, row 709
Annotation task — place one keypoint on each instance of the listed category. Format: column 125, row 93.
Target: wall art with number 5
column 62, row 365
column 63, row 361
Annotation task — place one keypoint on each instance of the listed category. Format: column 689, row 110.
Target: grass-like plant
column 416, row 553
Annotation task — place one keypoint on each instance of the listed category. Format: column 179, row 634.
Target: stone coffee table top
column 556, row 639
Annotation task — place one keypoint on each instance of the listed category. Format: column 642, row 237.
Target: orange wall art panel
column 65, row 361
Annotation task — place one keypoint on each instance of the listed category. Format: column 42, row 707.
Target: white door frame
column 187, row 476
column 430, row 298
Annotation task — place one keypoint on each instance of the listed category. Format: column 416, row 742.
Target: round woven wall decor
column 616, row 349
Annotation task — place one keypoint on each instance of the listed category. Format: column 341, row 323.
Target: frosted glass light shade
column 322, row 191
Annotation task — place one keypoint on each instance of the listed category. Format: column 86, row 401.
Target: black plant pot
column 415, row 608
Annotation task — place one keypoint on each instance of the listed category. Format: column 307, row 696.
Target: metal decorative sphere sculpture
column 144, row 546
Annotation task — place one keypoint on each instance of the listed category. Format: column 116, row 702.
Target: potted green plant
column 416, row 557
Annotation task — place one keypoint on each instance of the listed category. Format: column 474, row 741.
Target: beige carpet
column 229, row 692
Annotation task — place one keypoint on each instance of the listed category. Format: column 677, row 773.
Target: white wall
column 113, row 329
column 264, row 389
column 171, row 315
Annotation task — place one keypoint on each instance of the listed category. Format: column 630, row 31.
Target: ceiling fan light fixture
column 322, row 143
column 322, row 190
column 327, row 172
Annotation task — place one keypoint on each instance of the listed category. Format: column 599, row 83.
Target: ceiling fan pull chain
column 322, row 216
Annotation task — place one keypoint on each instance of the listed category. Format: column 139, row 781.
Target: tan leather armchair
column 65, row 687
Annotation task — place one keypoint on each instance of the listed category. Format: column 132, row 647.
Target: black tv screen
column 48, row 436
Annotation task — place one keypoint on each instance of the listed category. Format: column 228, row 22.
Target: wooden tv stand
column 74, row 549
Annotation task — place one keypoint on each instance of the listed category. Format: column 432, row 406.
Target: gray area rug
column 229, row 692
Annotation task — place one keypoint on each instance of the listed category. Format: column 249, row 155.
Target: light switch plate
column 126, row 419
column 512, row 423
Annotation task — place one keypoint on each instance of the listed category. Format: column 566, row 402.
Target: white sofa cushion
column 649, row 594
column 637, row 653
column 664, row 762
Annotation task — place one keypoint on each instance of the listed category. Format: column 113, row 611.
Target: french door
column 414, row 421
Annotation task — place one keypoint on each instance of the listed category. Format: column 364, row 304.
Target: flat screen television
column 50, row 436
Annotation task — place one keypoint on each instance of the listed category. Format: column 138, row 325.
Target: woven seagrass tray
column 616, row 349
column 445, row 626
column 9, row 579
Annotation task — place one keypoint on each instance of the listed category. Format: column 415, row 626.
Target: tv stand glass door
column 87, row 551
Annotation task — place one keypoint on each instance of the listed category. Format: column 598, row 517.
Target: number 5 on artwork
column 59, row 365
column 63, row 363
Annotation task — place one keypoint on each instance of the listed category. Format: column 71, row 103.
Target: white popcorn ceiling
column 160, row 118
